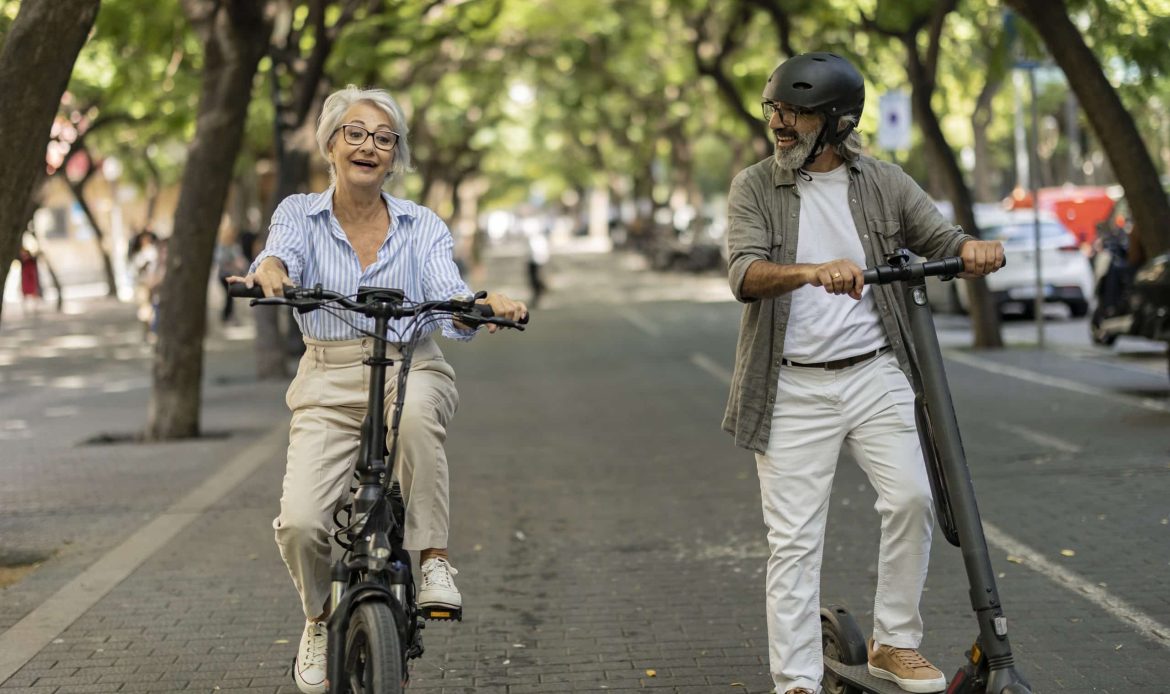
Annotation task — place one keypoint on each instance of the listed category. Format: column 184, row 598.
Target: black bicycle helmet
column 821, row 82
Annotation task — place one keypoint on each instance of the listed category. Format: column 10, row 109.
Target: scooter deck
column 858, row 676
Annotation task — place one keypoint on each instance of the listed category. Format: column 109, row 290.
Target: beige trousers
column 328, row 399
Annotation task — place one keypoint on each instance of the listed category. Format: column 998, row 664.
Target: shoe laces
column 911, row 658
column 314, row 644
column 437, row 573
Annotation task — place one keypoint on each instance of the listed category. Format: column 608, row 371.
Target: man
column 823, row 361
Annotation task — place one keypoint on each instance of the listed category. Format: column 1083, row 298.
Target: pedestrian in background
column 536, row 234
column 823, row 361
column 229, row 262
column 30, row 282
column 146, row 268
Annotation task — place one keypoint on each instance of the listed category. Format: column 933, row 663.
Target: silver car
column 1066, row 274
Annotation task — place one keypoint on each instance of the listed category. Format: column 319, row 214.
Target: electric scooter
column 989, row 667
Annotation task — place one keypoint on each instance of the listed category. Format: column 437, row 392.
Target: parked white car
column 1066, row 273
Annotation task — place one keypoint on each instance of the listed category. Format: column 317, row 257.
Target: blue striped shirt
column 415, row 257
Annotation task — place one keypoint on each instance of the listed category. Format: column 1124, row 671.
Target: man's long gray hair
column 850, row 147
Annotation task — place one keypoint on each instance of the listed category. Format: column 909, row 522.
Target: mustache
column 786, row 132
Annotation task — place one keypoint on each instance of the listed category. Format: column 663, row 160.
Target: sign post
column 894, row 113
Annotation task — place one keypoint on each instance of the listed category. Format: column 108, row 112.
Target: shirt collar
column 397, row 208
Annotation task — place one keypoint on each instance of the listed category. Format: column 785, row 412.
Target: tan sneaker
column 905, row 667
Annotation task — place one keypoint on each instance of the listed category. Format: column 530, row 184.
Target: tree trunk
column 236, row 35
column 1113, row 124
column 980, row 121
column 98, row 234
column 35, row 63
column 984, row 314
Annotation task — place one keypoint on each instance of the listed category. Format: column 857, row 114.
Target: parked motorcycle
column 1130, row 301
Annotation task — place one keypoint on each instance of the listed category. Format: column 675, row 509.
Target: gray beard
column 794, row 158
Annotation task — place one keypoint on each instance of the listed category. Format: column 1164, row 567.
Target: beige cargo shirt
column 763, row 213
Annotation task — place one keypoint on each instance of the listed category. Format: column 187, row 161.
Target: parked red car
column 1079, row 208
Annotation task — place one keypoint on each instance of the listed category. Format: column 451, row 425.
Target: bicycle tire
column 373, row 652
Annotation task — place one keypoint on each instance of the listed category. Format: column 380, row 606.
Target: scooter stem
column 993, row 631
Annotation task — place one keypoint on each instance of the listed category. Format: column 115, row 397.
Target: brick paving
column 607, row 534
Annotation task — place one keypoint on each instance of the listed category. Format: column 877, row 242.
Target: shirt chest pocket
column 889, row 234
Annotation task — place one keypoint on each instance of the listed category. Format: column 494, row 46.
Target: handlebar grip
column 239, row 290
column 944, row 266
column 486, row 311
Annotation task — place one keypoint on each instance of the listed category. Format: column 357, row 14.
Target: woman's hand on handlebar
column 839, row 276
column 271, row 277
column 980, row 258
column 503, row 307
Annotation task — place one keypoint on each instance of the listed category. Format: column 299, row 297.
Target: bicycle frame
column 376, row 555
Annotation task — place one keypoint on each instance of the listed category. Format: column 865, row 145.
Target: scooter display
column 989, row 667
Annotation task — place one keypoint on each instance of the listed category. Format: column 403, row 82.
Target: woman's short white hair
column 340, row 101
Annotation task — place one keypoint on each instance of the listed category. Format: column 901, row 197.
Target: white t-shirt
column 822, row 326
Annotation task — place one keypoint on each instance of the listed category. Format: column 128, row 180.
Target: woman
column 146, row 269
column 355, row 234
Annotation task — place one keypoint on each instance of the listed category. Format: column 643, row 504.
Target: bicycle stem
column 371, row 463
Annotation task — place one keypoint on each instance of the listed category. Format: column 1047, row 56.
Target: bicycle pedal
column 441, row 613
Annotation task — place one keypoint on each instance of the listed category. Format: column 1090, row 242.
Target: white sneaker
column 438, row 588
column 309, row 667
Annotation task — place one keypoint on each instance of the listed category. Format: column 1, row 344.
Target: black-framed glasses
column 356, row 135
column 788, row 116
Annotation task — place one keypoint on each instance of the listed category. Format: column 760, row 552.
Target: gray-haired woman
column 355, row 234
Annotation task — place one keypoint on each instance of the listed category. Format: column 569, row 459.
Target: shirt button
column 866, row 236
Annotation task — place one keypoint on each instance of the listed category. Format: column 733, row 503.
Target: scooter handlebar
column 885, row 274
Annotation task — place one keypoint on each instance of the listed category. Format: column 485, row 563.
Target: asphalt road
column 608, row 534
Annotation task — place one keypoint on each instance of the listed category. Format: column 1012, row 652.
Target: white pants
column 870, row 408
column 328, row 399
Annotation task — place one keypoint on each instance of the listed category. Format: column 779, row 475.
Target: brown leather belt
column 839, row 363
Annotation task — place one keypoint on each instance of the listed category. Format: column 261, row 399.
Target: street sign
column 894, row 112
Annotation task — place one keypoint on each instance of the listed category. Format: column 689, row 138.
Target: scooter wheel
column 841, row 640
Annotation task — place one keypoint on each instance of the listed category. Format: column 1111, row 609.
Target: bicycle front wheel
column 373, row 652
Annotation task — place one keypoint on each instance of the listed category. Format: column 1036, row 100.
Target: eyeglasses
column 356, row 135
column 788, row 116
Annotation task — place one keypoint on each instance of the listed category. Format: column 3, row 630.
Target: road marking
column 1038, row 438
column 27, row 637
column 708, row 364
column 1147, row 626
column 638, row 321
column 1054, row 381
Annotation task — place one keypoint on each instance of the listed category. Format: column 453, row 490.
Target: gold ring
column 836, row 275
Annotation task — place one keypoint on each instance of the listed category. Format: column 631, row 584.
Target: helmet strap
column 821, row 143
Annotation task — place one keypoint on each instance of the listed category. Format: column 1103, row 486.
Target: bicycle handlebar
column 309, row 298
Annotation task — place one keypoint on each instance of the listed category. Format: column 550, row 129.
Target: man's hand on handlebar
column 503, row 307
column 271, row 277
column 837, row 277
column 980, row 258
